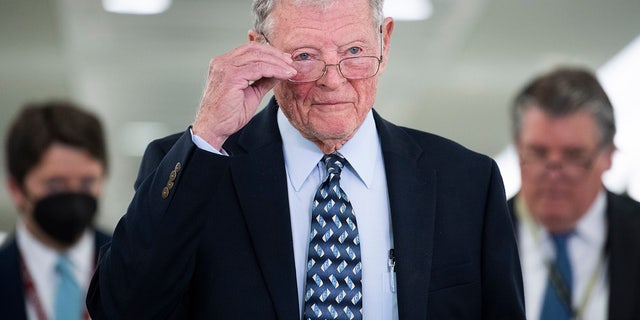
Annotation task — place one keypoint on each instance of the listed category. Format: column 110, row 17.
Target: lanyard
column 32, row 294
column 558, row 284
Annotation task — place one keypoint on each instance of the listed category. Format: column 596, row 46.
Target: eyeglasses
column 573, row 165
column 352, row 68
column 310, row 69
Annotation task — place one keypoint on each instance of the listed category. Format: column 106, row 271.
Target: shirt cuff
column 204, row 145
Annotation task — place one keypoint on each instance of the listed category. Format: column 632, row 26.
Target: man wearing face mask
column 56, row 165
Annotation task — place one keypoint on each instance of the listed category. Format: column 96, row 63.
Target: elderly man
column 579, row 243
column 316, row 207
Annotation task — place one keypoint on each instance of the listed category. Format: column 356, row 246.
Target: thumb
column 263, row 85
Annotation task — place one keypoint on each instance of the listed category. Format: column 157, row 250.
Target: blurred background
column 453, row 72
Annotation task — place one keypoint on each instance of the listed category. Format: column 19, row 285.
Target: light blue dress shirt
column 365, row 183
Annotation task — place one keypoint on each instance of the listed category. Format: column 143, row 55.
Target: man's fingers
column 238, row 80
column 252, row 62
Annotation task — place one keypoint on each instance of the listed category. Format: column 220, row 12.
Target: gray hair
column 262, row 10
column 563, row 92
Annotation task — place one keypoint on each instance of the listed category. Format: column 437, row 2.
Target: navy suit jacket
column 623, row 251
column 12, row 295
column 214, row 241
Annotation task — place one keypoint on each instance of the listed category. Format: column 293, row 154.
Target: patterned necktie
column 557, row 303
column 334, row 270
column 68, row 301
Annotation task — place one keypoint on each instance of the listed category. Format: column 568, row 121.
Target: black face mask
column 65, row 216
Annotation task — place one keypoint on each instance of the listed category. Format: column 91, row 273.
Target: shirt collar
column 302, row 156
column 35, row 253
column 592, row 227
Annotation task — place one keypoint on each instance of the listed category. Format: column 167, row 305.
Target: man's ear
column 255, row 36
column 17, row 194
column 386, row 29
column 608, row 156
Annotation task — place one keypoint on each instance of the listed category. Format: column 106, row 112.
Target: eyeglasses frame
column 560, row 165
column 337, row 65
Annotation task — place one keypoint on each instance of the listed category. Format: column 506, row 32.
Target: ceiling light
column 136, row 6
column 408, row 9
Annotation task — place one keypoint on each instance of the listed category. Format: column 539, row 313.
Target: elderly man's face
column 561, row 166
column 332, row 107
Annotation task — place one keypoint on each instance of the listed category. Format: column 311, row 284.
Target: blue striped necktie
column 557, row 303
column 334, row 275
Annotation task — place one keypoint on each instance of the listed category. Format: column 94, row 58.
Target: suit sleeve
column 145, row 274
column 503, row 296
column 154, row 153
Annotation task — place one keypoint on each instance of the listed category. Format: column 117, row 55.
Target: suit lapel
column 259, row 162
column 624, row 262
column 12, row 296
column 412, row 191
column 266, row 209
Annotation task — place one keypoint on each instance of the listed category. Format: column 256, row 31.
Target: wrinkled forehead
column 292, row 13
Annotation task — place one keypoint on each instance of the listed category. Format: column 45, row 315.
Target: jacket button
column 165, row 193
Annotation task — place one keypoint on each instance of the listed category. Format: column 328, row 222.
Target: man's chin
column 556, row 218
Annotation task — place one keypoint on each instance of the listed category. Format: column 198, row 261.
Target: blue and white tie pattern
column 334, row 270
column 69, row 298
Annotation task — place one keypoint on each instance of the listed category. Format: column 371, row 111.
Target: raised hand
column 237, row 82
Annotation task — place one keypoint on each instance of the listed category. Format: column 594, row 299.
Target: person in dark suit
column 247, row 217
column 56, row 165
column 563, row 128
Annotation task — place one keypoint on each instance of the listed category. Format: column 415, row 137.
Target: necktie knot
column 560, row 243
column 63, row 265
column 334, row 163
column 560, row 240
